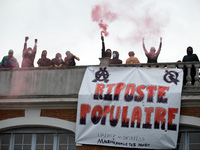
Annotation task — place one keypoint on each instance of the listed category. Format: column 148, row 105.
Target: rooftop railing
column 180, row 65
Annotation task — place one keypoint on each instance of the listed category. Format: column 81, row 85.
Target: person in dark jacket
column 70, row 59
column 29, row 54
column 190, row 57
column 105, row 53
column 116, row 59
column 57, row 61
column 152, row 56
column 44, row 61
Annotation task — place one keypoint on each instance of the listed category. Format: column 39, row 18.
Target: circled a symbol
column 101, row 75
column 171, row 76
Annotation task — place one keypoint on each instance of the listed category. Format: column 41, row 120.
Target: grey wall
column 41, row 81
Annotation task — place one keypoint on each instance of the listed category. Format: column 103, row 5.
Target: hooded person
column 29, row 54
column 190, row 57
column 44, row 61
column 57, row 61
column 9, row 61
column 152, row 56
column 70, row 59
column 116, row 59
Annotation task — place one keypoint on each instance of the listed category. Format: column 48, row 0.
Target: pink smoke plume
column 149, row 23
column 141, row 18
column 101, row 13
column 104, row 27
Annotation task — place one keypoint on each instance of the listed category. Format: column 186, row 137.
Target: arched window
column 37, row 139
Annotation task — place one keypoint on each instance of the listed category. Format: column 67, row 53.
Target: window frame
column 185, row 130
column 34, row 131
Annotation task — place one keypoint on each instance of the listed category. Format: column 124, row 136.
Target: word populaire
column 99, row 113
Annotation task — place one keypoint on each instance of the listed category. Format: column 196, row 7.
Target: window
column 22, row 141
column 4, row 141
column 37, row 139
column 44, row 141
column 194, row 141
column 188, row 139
column 55, row 139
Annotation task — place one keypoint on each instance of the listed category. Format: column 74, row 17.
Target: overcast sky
column 61, row 25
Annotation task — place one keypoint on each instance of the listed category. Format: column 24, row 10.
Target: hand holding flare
column 102, row 38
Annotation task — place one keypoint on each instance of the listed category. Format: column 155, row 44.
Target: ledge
column 64, row 83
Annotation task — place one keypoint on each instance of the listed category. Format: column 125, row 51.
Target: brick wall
column 7, row 114
column 70, row 114
column 92, row 147
column 66, row 114
column 190, row 111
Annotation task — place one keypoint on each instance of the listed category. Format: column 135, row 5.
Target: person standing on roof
column 57, row 61
column 132, row 59
column 44, row 61
column 9, row 61
column 152, row 56
column 105, row 53
column 70, row 59
column 116, row 59
column 190, row 57
column 29, row 54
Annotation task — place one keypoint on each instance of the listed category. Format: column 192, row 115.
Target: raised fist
column 26, row 38
column 102, row 38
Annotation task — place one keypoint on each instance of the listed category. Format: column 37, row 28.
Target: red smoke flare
column 104, row 27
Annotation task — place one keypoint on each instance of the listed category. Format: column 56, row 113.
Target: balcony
column 52, row 86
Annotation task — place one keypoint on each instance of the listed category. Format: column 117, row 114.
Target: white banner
column 129, row 107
